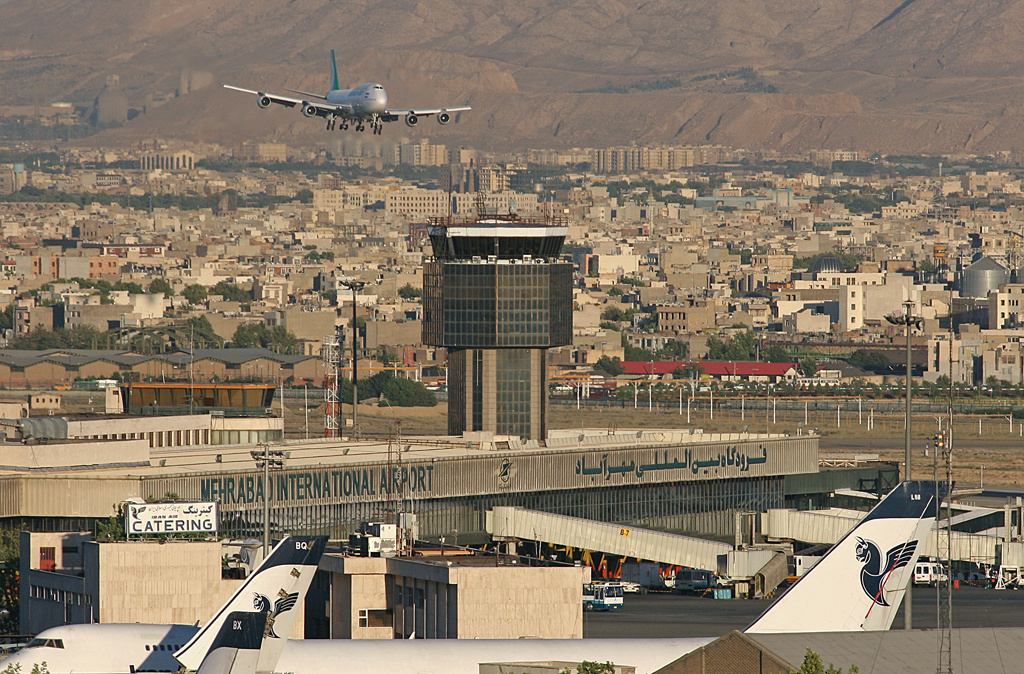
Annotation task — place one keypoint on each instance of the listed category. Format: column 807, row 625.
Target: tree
column 812, row 664
column 775, row 354
column 611, row 366
column 194, row 293
column 409, row 292
column 808, row 366
column 78, row 337
column 253, row 335
column 615, row 291
column 9, row 564
column 160, row 285
column 588, row 667
column 7, row 317
column 742, row 346
column 616, row 314
column 132, row 287
column 407, row 393
column 231, row 292
column 869, row 360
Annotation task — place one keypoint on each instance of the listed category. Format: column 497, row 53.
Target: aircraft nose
column 381, row 101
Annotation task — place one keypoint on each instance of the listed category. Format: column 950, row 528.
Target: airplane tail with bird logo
column 274, row 588
column 859, row 584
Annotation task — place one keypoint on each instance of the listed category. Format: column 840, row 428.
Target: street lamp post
column 266, row 459
column 910, row 321
column 355, row 287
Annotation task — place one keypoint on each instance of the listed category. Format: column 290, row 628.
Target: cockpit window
column 49, row 643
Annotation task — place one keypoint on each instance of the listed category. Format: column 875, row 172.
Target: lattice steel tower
column 330, row 354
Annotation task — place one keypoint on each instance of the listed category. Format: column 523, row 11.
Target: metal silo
column 982, row 276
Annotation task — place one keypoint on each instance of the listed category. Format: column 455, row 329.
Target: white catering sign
column 171, row 518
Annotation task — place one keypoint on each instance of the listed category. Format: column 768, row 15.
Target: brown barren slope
column 885, row 75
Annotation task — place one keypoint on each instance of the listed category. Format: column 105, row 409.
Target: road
column 667, row 615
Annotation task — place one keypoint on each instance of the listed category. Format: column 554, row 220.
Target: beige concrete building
column 68, row 578
column 451, row 597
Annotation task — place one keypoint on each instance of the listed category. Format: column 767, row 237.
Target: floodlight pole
column 266, row 459
column 910, row 321
column 354, row 286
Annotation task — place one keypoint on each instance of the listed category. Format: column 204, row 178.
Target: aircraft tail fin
column 865, row 574
column 276, row 587
column 236, row 648
column 335, row 85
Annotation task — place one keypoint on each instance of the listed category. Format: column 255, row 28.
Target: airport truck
column 645, row 574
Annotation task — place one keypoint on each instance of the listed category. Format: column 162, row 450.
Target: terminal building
column 677, row 481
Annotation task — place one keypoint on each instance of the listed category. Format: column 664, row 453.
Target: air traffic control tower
column 497, row 295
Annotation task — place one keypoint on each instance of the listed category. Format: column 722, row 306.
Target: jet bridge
column 828, row 526
column 507, row 522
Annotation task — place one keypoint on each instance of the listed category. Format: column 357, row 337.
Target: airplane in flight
column 857, row 586
column 366, row 104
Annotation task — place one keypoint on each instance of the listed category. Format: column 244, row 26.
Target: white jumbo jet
column 857, row 586
column 366, row 104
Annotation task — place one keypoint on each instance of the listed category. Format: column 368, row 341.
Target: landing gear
column 360, row 127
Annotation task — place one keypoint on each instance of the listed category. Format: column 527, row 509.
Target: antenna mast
column 330, row 355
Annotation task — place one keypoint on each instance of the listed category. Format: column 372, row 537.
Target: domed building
column 827, row 264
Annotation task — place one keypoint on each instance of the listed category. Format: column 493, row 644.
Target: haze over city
column 525, row 338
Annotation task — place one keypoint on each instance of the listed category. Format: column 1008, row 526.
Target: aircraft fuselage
column 365, row 100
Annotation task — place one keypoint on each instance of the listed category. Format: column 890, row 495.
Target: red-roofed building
column 717, row 369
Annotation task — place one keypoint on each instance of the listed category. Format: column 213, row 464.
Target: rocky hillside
column 879, row 75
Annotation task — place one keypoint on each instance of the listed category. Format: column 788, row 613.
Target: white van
column 929, row 573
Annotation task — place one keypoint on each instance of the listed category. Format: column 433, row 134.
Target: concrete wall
column 513, row 602
column 362, row 586
column 176, row 582
column 469, row 601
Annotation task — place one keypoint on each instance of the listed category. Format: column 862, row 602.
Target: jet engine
column 412, row 120
column 443, row 117
column 263, row 101
column 308, row 109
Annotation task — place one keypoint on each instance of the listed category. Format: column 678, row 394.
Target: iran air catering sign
column 171, row 518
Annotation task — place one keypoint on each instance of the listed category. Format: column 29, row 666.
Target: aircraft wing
column 286, row 101
column 309, row 108
column 425, row 112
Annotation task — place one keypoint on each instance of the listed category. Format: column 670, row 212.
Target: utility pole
column 355, row 287
column 910, row 321
column 266, row 459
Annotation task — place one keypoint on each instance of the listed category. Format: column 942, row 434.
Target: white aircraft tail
column 859, row 584
column 236, row 648
column 274, row 588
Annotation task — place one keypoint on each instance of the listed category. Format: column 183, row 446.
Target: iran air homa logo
column 262, row 605
column 506, row 471
column 874, row 575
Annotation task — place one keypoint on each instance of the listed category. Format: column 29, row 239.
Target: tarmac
column 666, row 615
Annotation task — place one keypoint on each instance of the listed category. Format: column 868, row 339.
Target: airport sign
column 171, row 518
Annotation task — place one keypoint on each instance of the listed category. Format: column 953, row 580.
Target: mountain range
column 890, row 76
